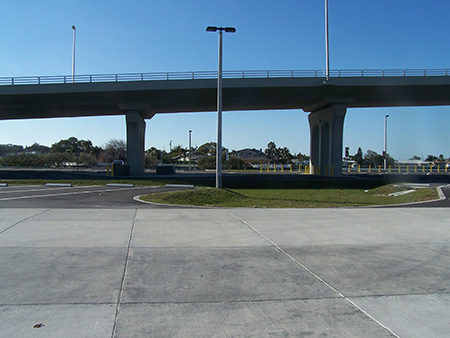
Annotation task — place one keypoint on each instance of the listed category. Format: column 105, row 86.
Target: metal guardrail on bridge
column 241, row 74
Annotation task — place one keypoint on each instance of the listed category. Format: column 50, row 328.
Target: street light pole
column 219, row 103
column 385, row 141
column 327, row 43
column 190, row 148
column 73, row 54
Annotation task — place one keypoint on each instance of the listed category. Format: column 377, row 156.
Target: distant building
column 250, row 155
column 413, row 163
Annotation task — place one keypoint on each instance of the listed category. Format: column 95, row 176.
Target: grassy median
column 291, row 198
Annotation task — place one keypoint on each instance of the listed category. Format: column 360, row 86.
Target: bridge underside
column 176, row 96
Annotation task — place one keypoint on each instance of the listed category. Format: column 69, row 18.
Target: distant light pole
column 385, row 141
column 190, row 132
column 219, row 103
column 327, row 43
column 73, row 54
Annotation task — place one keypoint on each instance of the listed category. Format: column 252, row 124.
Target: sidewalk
column 225, row 272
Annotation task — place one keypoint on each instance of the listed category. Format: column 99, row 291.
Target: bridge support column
column 326, row 130
column 135, row 141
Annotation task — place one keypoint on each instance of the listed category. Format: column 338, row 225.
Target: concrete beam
column 199, row 95
column 145, row 108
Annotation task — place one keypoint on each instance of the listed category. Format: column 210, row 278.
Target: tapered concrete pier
column 326, row 130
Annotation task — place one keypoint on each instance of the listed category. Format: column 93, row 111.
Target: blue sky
column 152, row 36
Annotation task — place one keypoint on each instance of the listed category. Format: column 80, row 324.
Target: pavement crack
column 23, row 220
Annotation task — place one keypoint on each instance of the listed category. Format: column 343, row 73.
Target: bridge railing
column 243, row 74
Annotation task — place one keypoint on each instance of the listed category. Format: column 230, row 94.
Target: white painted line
column 58, row 185
column 180, row 186
column 70, row 193
column 20, row 189
column 122, row 185
column 417, row 185
column 400, row 193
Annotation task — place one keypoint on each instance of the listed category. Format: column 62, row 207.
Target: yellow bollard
column 389, row 168
column 282, row 168
column 423, row 168
column 332, row 171
column 112, row 170
column 370, row 167
column 431, row 169
column 274, row 167
column 379, row 168
column 260, row 169
column 407, row 169
column 268, row 167
column 359, row 168
column 290, row 167
column 415, row 168
column 445, row 168
column 399, row 168
column 439, row 168
column 299, row 168
column 349, row 169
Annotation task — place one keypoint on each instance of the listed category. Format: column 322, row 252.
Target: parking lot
column 92, row 262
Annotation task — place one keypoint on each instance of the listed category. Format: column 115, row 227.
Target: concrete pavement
column 224, row 272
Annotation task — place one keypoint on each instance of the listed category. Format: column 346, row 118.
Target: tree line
column 66, row 152
column 374, row 159
column 73, row 151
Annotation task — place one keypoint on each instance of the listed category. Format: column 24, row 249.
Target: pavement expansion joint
column 58, row 304
column 399, row 295
column 314, row 275
column 122, row 284
column 235, row 301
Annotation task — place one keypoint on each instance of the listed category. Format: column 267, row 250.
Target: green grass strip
column 290, row 198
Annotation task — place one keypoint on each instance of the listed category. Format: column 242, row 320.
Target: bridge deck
column 155, row 96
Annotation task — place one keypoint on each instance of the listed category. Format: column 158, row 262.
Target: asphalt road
column 443, row 203
column 117, row 197
column 40, row 196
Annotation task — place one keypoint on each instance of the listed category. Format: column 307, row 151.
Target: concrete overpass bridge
column 141, row 96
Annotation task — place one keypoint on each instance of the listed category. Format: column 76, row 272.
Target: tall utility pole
column 190, row 148
column 385, row 141
column 73, row 54
column 327, row 43
column 219, row 103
